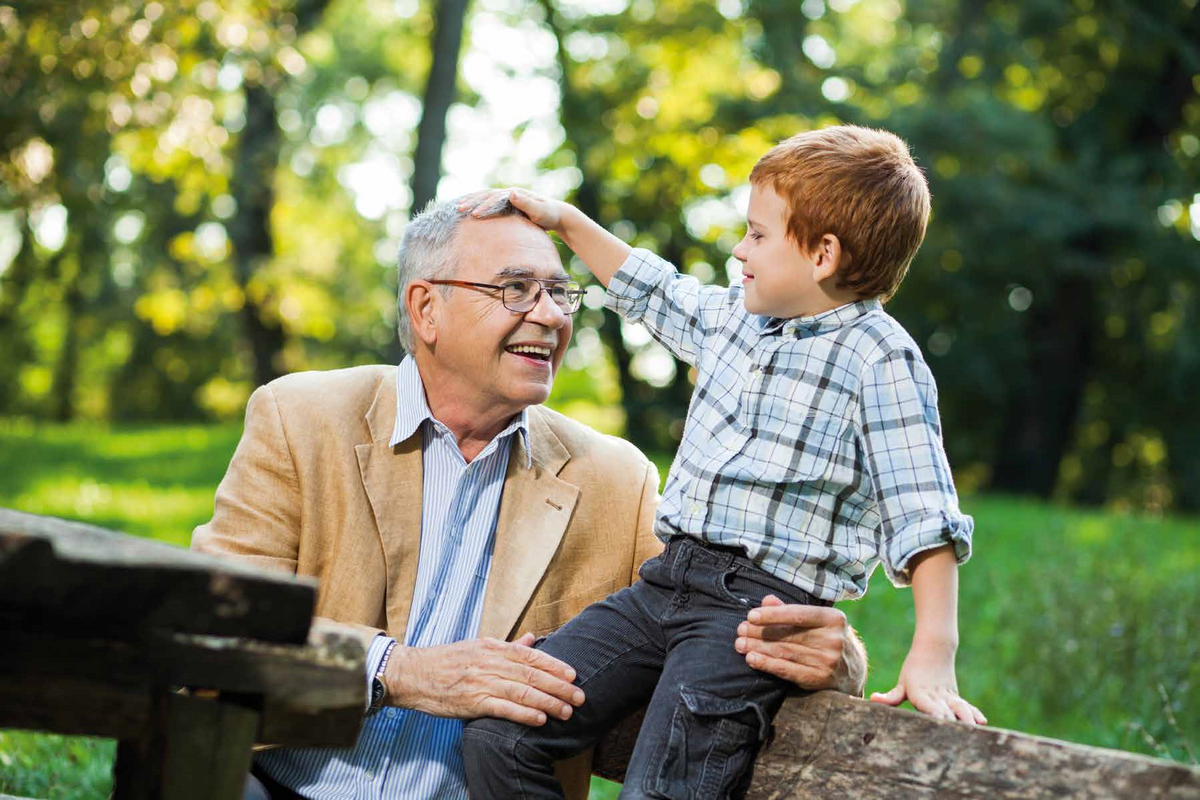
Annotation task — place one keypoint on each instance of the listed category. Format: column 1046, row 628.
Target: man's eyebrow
column 756, row 224
column 525, row 272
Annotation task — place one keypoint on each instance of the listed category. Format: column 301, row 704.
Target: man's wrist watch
column 378, row 687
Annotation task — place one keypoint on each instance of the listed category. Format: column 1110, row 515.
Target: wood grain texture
column 306, row 695
column 829, row 745
column 61, row 575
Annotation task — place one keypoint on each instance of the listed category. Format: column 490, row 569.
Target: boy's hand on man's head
column 927, row 681
column 545, row 212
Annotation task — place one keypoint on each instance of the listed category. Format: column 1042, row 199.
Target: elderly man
column 445, row 511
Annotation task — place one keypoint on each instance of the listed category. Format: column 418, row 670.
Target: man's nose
column 546, row 312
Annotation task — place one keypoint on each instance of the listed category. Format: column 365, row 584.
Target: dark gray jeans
column 667, row 641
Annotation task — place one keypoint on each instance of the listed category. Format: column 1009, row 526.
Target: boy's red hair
column 861, row 185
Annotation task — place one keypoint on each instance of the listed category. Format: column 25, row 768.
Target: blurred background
column 199, row 196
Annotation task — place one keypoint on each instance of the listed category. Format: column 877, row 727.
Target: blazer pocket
column 548, row 617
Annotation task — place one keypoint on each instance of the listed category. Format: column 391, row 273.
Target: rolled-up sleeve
column 901, row 438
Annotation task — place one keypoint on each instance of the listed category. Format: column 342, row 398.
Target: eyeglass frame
column 542, row 287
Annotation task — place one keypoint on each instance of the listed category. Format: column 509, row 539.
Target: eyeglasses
column 520, row 295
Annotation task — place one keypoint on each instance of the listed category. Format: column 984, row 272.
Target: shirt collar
column 412, row 409
column 818, row 324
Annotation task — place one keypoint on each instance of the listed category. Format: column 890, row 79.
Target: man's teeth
column 531, row 349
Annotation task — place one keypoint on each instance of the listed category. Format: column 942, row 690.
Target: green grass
column 1075, row 624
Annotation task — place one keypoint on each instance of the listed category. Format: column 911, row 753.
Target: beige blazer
column 314, row 489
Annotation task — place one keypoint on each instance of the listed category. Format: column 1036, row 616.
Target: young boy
column 812, row 451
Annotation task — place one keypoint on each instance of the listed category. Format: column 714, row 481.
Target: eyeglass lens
column 522, row 295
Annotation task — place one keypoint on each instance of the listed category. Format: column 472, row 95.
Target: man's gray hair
column 427, row 251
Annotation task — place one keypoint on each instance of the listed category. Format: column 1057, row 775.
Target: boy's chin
column 754, row 305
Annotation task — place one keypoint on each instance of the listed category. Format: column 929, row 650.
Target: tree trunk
column 1041, row 416
column 431, row 132
column 253, row 186
column 62, row 392
column 14, row 348
column 439, row 94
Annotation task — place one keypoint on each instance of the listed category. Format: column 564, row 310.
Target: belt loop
column 683, row 557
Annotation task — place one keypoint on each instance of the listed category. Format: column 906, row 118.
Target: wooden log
column 829, row 745
column 62, row 575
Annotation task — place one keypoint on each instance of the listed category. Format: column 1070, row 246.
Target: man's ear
column 422, row 303
column 825, row 257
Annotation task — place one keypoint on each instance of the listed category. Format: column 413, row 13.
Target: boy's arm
column 927, row 678
column 925, row 536
column 602, row 252
column 679, row 312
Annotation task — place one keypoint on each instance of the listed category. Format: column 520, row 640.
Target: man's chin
column 533, row 394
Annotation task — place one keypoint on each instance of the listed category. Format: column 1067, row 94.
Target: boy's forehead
column 766, row 207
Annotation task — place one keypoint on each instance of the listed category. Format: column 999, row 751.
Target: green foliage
column 204, row 153
column 55, row 767
column 1073, row 624
column 147, row 481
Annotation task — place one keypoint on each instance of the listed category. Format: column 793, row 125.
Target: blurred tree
column 439, row 94
column 253, row 179
column 200, row 195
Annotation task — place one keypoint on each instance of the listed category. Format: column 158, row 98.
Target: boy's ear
column 825, row 257
column 422, row 303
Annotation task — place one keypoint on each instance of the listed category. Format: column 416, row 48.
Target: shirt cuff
column 375, row 651
column 630, row 286
column 927, row 533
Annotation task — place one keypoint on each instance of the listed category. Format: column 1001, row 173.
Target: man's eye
column 518, row 286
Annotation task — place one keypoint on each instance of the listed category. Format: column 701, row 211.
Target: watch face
column 377, row 692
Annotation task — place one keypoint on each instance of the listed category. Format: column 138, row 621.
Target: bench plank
column 61, row 575
column 308, row 695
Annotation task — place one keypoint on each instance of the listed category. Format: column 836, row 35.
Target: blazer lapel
column 534, row 511
column 393, row 480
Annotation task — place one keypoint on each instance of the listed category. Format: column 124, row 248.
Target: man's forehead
column 510, row 245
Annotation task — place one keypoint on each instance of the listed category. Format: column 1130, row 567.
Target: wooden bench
column 187, row 660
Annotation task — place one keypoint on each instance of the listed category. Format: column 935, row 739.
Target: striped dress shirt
column 402, row 753
column 812, row 442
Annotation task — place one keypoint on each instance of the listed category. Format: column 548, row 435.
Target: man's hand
column 483, row 678
column 811, row 646
column 927, row 681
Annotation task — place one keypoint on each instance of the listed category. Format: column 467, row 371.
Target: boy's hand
column 927, row 681
column 602, row 252
column 544, row 211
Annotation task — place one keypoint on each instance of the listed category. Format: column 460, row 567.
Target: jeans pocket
column 708, row 753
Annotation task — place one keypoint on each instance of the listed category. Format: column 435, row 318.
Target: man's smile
column 533, row 351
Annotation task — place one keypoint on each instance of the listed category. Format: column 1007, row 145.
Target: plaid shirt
column 812, row 442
